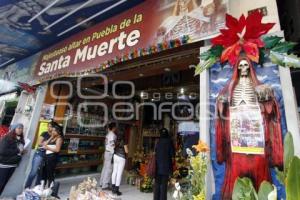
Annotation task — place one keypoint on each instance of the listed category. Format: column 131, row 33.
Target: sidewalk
column 129, row 192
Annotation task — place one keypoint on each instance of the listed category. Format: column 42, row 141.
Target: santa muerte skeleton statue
column 248, row 131
column 247, row 125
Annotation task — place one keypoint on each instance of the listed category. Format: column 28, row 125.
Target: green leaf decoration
column 292, row 61
column 271, row 41
column 244, row 190
column 280, row 176
column 283, row 47
column 277, row 58
column 203, row 65
column 205, row 55
column 264, row 190
column 262, row 54
column 215, row 51
column 288, row 151
column 285, row 60
column 293, row 180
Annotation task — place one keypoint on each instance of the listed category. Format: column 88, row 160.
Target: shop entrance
column 141, row 97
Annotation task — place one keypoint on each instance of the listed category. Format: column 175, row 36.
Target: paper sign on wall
column 246, row 129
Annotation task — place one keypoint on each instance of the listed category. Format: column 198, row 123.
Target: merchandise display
column 87, row 190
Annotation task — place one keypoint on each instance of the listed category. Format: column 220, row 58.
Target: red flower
column 242, row 34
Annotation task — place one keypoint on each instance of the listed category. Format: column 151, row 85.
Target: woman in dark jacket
column 11, row 150
column 164, row 154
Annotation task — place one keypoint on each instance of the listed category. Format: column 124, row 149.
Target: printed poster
column 73, row 145
column 47, row 112
column 246, row 129
column 43, row 127
column 200, row 19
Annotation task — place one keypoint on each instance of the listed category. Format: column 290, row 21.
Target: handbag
column 151, row 167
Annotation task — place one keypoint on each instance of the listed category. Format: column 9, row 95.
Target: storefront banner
column 246, row 129
column 135, row 32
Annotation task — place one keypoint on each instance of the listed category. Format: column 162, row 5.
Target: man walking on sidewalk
column 110, row 140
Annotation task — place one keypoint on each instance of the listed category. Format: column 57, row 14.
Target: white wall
column 238, row 7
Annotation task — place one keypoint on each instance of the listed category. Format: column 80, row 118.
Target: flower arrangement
column 138, row 156
column 146, row 185
column 180, row 165
column 197, row 172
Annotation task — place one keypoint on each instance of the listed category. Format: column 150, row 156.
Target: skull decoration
column 244, row 68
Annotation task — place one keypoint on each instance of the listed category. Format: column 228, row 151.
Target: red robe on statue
column 255, row 167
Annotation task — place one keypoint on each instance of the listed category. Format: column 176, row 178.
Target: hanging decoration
column 27, row 87
column 246, row 35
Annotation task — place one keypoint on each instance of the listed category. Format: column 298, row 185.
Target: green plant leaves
column 264, row 190
column 288, row 151
column 215, row 51
column 271, row 41
column 283, row 47
column 292, row 61
column 293, row 180
column 209, row 58
column 285, row 60
column 279, row 52
column 244, row 190
column 203, row 65
column 280, row 176
column 277, row 58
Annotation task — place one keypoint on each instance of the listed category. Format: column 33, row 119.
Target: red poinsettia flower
column 242, row 34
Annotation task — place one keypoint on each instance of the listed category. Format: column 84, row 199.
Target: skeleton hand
column 264, row 93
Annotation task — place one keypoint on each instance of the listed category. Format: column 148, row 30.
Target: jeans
column 35, row 166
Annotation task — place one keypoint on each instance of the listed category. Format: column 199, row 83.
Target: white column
column 290, row 105
column 15, row 185
column 204, row 125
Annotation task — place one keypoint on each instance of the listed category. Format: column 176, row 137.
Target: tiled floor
column 129, row 192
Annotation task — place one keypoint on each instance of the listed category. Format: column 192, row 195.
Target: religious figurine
column 248, row 131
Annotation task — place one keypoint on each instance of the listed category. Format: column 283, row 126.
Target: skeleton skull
column 244, row 68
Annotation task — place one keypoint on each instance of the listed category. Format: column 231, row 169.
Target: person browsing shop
column 119, row 158
column 164, row 152
column 52, row 147
column 38, row 158
column 108, row 155
column 11, row 151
